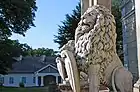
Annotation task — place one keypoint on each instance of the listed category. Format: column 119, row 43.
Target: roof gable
column 48, row 69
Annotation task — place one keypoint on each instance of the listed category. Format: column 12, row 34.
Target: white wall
column 45, row 74
column 17, row 80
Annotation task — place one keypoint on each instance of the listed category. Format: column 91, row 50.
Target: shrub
column 1, row 83
column 52, row 87
column 21, row 84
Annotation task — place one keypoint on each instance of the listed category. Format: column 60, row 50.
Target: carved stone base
column 137, row 86
column 67, row 88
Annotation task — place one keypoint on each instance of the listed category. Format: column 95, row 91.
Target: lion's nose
column 85, row 21
column 80, row 23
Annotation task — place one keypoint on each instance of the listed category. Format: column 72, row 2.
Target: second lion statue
column 94, row 53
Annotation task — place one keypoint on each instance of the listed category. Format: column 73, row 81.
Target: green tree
column 16, row 16
column 8, row 50
column 66, row 31
column 41, row 51
column 116, row 11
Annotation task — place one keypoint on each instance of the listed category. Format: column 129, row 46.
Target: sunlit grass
column 31, row 89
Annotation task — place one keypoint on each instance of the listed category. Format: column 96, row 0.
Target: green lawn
column 33, row 89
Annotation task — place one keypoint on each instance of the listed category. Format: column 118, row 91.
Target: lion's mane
column 95, row 37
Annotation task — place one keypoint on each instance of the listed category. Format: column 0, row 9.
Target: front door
column 49, row 79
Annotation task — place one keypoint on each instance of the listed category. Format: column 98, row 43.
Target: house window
column 23, row 79
column 33, row 79
column 2, row 80
column 11, row 80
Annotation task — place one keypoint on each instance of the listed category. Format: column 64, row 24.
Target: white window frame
column 2, row 80
column 24, row 80
column 11, row 80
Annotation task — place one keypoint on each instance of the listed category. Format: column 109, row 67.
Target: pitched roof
column 30, row 64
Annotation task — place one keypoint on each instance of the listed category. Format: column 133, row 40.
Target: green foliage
column 16, row 16
column 41, row 51
column 66, row 31
column 53, row 88
column 117, row 14
column 27, row 89
column 1, row 84
column 21, row 84
column 12, row 48
column 8, row 50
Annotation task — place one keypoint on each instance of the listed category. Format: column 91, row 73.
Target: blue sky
column 49, row 15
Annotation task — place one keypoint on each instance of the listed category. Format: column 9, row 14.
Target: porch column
column 56, row 79
column 36, row 81
column 42, row 82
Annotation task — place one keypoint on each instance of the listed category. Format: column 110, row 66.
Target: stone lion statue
column 94, row 50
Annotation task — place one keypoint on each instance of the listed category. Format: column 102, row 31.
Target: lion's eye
column 92, row 13
column 89, row 14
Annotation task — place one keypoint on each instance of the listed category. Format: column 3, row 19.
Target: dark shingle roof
column 31, row 64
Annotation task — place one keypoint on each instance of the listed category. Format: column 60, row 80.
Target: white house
column 32, row 71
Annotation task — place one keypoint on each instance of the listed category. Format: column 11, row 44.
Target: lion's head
column 95, row 36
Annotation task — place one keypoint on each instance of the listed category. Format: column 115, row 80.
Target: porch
column 44, row 79
column 47, row 75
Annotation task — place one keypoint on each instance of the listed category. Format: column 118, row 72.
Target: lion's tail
column 113, row 78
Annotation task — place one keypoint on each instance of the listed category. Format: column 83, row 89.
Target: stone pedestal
column 67, row 88
column 137, row 86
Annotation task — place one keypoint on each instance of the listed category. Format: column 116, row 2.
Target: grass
column 32, row 89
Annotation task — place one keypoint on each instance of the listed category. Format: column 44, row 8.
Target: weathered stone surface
column 67, row 88
column 85, row 4
column 94, row 52
column 137, row 86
